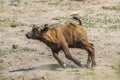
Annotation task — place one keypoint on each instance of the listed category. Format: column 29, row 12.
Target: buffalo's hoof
column 92, row 68
column 87, row 66
column 64, row 65
column 82, row 66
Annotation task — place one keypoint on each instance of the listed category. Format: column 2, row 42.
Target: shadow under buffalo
column 51, row 67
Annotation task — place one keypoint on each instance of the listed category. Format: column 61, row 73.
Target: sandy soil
column 33, row 60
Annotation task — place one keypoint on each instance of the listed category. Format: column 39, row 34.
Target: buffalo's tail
column 76, row 18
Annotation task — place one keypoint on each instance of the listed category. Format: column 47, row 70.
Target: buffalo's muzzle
column 28, row 35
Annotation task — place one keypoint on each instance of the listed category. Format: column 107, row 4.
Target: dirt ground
column 33, row 60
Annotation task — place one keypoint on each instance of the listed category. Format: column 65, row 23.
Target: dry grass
column 2, row 78
column 117, row 7
column 118, row 69
column 18, row 50
column 10, row 22
column 17, row 2
column 101, row 20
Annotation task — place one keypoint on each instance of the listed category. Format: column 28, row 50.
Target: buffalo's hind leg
column 91, row 55
column 88, row 61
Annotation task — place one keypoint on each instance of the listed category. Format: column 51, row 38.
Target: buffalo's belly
column 76, row 45
column 54, row 46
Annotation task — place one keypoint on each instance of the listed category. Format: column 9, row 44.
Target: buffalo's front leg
column 59, row 60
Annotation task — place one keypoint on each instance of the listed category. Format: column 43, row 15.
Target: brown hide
column 73, row 35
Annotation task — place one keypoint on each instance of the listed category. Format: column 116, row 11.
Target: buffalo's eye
column 35, row 30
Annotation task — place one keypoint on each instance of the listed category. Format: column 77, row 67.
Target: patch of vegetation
column 9, row 22
column 2, row 78
column 114, row 26
column 89, row 11
column 40, row 78
column 92, row 75
column 17, row 50
column 2, row 19
column 103, row 20
column 1, row 65
column 15, row 23
column 118, row 53
column 118, row 69
column 1, row 60
column 16, row 2
column 117, row 7
column 77, row 0
column 54, row 25
column 87, row 21
column 43, row 0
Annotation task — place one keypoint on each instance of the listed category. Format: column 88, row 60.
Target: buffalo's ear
column 45, row 29
column 45, row 25
column 33, row 25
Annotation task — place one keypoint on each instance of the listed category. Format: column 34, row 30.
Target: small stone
column 12, row 25
column 14, row 46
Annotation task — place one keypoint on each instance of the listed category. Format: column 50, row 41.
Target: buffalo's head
column 37, row 31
